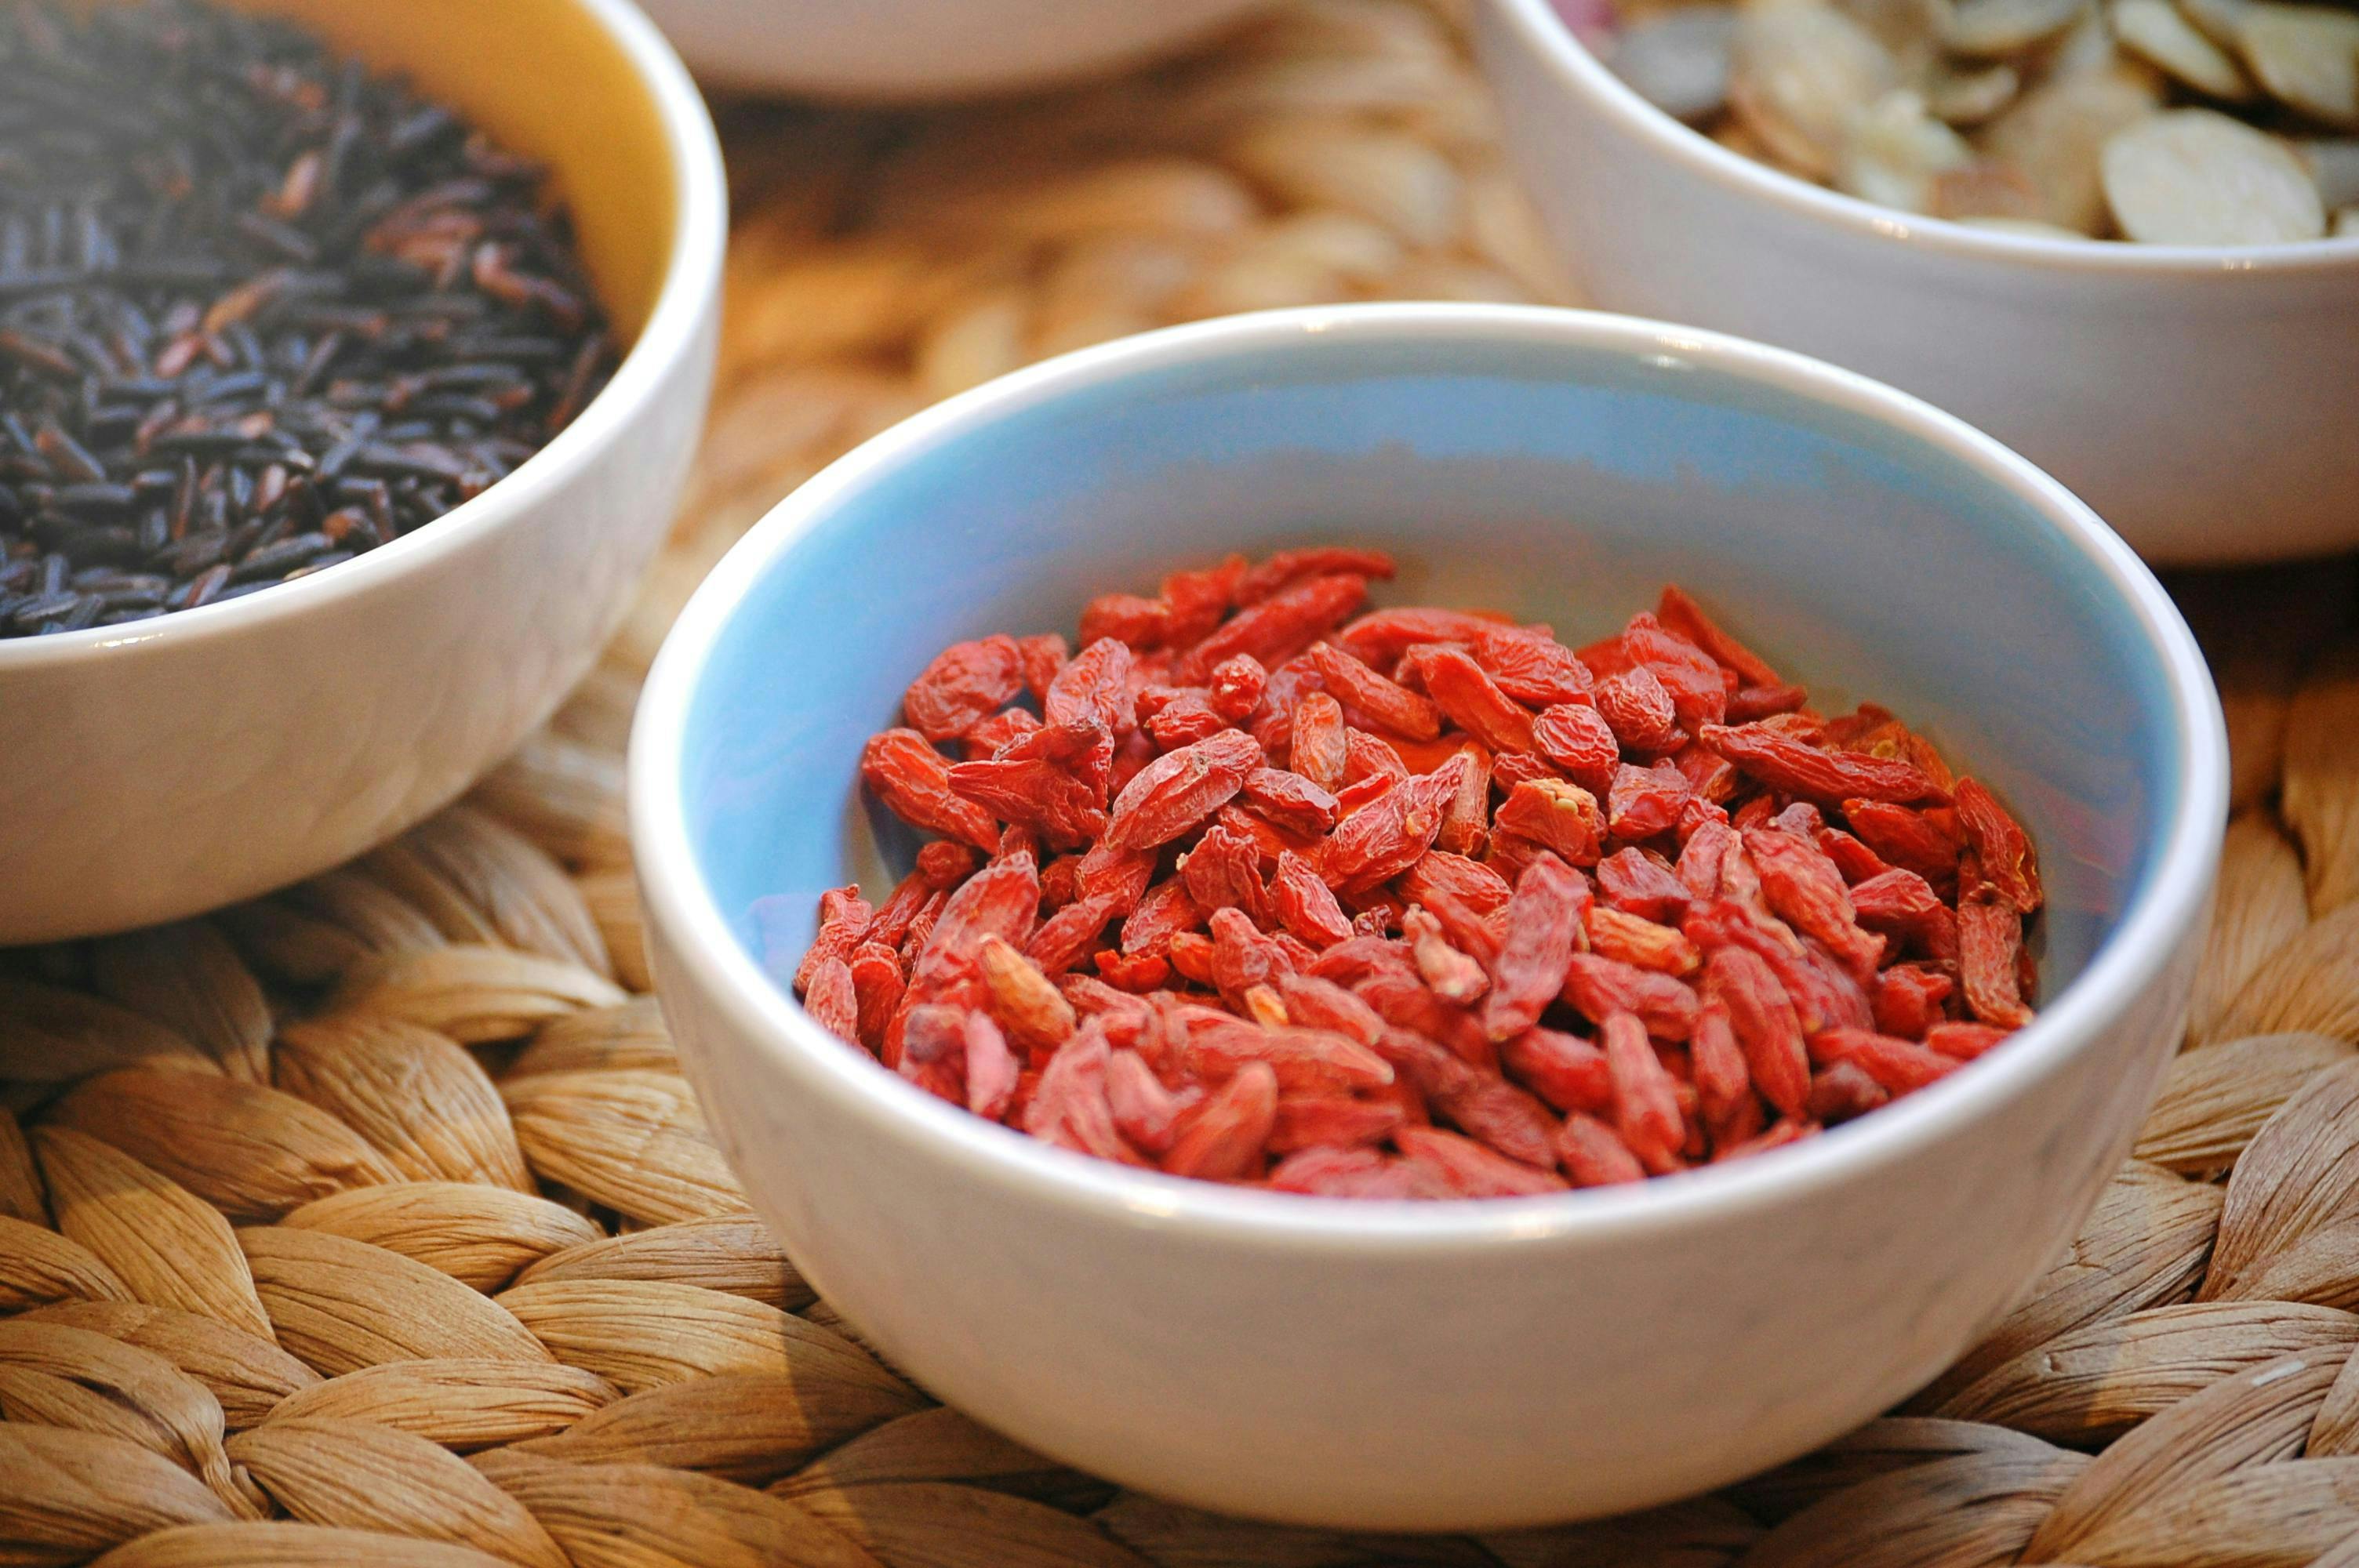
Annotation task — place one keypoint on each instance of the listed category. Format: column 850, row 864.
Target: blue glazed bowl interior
column 1560, row 481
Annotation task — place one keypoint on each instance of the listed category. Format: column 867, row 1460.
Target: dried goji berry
column 832, row 999
column 1907, row 1000
column 1613, row 934
column 1002, row 729
column 1138, row 972
column 1469, row 1169
column 1913, row 840
column 966, row 683
column 1640, row 883
column 1683, row 615
column 1330, row 1121
column 1002, row 900
column 1468, row 882
column 1645, row 803
column 1184, row 720
column 1305, row 904
column 1194, row 601
column 1068, row 1104
column 1768, row 1029
column 1593, row 1154
column 1699, row 695
column 1962, row 1041
column 1042, row 657
column 1179, row 789
column 1565, row 1070
column 913, row 779
column 1235, row 687
column 1463, row 690
column 1290, row 801
column 1053, row 779
column 1645, row 1110
column 1452, row 975
column 1561, row 817
column 1543, row 920
column 1639, row 709
column 1385, row 837
column 1094, row 684
column 1367, row 756
column 1284, row 568
column 1380, row 637
column 1279, row 626
column 1843, row 1091
column 1528, row 665
column 1126, row 618
column 2000, row 848
column 1376, row 700
column 1145, row 1112
column 877, row 984
column 1575, row 737
column 1797, row 767
column 1598, row 986
column 1804, row 889
column 1028, row 1007
column 1900, row 1066
column 1318, row 749
column 1990, row 939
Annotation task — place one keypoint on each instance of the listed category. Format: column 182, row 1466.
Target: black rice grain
column 260, row 311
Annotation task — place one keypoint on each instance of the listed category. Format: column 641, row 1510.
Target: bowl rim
column 692, row 278
column 1554, row 42
column 705, row 954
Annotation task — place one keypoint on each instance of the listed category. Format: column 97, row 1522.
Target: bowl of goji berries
column 1427, row 915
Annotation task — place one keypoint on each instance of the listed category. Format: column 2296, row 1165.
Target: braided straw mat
column 373, row 1222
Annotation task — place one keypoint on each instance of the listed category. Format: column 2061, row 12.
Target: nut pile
column 2172, row 122
column 1415, row 902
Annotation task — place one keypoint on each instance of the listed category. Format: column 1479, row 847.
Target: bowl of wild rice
column 1419, row 917
column 2120, row 236
column 351, row 361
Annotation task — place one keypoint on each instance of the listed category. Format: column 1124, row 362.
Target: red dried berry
column 913, row 779
column 1795, row 767
column 1542, row 925
column 1179, row 789
column 1279, row 626
column 1380, row 702
column 1286, row 567
column 1235, row 687
column 2000, row 847
column 1575, row 738
column 1463, row 690
column 966, row 683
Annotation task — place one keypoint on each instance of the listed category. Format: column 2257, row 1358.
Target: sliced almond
column 2334, row 167
column 1678, row 60
column 1893, row 152
column 2222, row 21
column 1993, row 29
column 2307, row 56
column 2159, row 33
column 1799, row 73
column 1990, row 193
column 1971, row 97
column 2193, row 176
column 2056, row 135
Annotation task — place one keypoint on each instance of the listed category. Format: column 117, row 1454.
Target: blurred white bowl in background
column 925, row 48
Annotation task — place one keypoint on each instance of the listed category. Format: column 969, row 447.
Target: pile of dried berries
column 2100, row 118
column 1421, row 903
column 259, row 311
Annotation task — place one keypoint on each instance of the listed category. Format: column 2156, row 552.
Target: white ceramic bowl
column 905, row 49
column 2202, row 400
column 1451, row 1364
column 151, row 771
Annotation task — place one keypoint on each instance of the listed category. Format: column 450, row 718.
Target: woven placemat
column 380, row 1206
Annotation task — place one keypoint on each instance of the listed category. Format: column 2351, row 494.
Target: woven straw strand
column 374, row 1221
